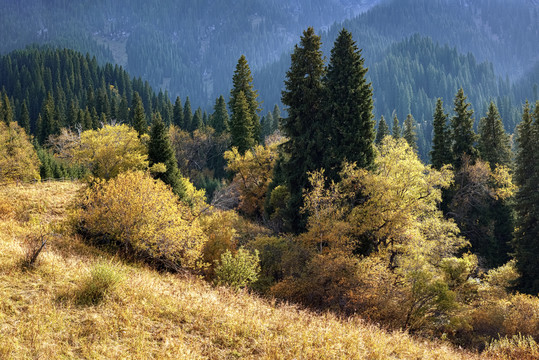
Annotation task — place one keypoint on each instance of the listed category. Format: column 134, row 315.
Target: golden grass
column 151, row 315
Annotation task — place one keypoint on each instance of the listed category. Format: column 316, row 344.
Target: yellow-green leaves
column 18, row 158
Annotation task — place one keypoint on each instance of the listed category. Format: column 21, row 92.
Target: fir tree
column 24, row 118
column 160, row 151
column 276, row 118
column 462, row 132
column 187, row 115
column 383, row 130
column 348, row 105
column 220, row 115
column 526, row 243
column 440, row 154
column 241, row 125
column 242, row 82
column 494, row 144
column 303, row 96
column 123, row 110
column 198, row 120
column 396, row 129
column 409, row 133
column 138, row 116
column 177, row 113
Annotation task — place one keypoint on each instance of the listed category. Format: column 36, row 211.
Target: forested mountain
column 187, row 47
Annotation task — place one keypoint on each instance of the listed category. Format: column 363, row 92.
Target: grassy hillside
column 56, row 309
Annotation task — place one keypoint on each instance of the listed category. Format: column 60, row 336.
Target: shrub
column 102, row 280
column 518, row 347
column 238, row 270
column 145, row 218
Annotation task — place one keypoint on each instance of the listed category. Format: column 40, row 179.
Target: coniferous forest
column 269, row 180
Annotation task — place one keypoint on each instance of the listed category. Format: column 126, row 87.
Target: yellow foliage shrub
column 144, row 217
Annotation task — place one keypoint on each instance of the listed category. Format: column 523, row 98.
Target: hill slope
column 153, row 315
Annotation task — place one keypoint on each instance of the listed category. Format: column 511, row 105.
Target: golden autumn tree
column 18, row 158
column 111, row 150
column 143, row 217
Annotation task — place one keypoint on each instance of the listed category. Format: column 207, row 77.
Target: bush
column 238, row 270
column 518, row 347
column 102, row 280
column 144, row 218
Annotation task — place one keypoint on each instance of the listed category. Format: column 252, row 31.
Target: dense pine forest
column 382, row 169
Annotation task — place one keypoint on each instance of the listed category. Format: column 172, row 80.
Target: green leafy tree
column 383, row 130
column 440, row 154
column 18, row 158
column 160, row 151
column 349, row 105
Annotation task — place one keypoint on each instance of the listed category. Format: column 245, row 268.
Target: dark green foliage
column 24, row 118
column 160, row 151
column 138, row 116
column 241, row 125
column 242, row 83
column 395, row 128
column 462, row 132
column 198, row 120
column 267, row 126
column 54, row 168
column 409, row 132
column 187, row 116
column 441, row 153
column 349, row 106
column 220, row 115
column 383, row 130
column 304, row 128
column 276, row 118
column 6, row 110
column 178, row 113
column 526, row 177
column 494, row 144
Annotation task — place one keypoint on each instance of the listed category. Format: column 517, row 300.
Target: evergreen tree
column 220, row 115
column 138, row 115
column 123, row 110
column 198, row 120
column 348, row 105
column 494, row 144
column 303, row 96
column 440, row 154
column 177, row 113
column 409, row 133
column 396, row 129
column 49, row 122
column 241, row 131
column 7, row 109
column 24, row 118
column 276, row 118
column 267, row 125
column 242, row 81
column 526, row 242
column 187, row 115
column 160, row 151
column 462, row 132
column 383, row 130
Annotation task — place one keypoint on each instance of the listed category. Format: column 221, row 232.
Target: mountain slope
column 147, row 314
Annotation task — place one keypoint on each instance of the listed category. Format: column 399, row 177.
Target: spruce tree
column 441, row 153
column 348, row 108
column 267, row 125
column 276, row 118
column 383, row 130
column 409, row 133
column 198, row 120
column 396, row 129
column 462, row 132
column 24, row 118
column 494, row 144
column 138, row 115
column 177, row 113
column 187, row 115
column 242, row 81
column 241, row 131
column 303, row 97
column 526, row 242
column 220, row 115
column 160, row 151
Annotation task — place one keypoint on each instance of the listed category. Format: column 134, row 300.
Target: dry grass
column 149, row 315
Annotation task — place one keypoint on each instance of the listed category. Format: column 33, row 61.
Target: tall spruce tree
column 441, row 153
column 494, row 144
column 303, row 127
column 177, row 113
column 160, row 151
column 395, row 128
column 138, row 115
column 383, row 130
column 241, row 131
column 220, row 116
column 24, row 118
column 463, row 135
column 242, row 81
column 276, row 118
column 348, row 108
column 198, row 120
column 409, row 132
column 187, row 115
column 526, row 242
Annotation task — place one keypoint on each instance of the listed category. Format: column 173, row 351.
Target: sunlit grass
column 143, row 314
